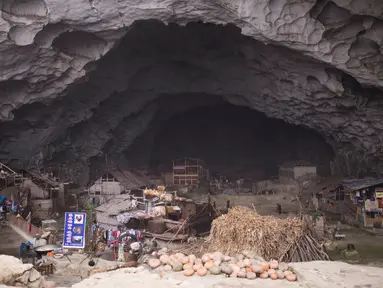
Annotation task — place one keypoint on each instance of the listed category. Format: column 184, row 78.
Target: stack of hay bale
column 288, row 240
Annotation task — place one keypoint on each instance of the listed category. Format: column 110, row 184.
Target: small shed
column 107, row 184
column 297, row 170
column 367, row 194
column 329, row 196
column 117, row 182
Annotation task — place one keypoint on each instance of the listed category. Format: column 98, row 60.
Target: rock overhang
column 307, row 86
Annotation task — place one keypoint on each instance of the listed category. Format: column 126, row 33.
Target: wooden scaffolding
column 188, row 171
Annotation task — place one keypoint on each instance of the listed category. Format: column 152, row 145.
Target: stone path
column 311, row 275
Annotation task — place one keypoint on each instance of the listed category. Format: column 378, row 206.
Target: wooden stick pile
column 306, row 249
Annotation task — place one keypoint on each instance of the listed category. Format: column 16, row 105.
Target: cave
column 99, row 86
column 234, row 141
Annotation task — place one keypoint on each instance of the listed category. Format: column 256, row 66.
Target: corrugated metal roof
column 43, row 178
column 358, row 184
column 116, row 205
column 131, row 178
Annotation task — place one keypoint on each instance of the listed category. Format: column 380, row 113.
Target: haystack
column 271, row 237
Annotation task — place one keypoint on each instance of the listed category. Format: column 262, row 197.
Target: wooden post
column 228, row 204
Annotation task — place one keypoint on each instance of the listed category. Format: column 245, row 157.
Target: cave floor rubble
column 310, row 275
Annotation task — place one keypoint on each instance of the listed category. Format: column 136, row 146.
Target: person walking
column 4, row 209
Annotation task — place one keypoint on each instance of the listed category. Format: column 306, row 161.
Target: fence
column 24, row 226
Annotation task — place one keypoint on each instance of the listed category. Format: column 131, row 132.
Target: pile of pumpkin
column 217, row 263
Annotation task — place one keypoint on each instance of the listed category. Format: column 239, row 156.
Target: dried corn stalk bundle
column 306, row 249
column 268, row 236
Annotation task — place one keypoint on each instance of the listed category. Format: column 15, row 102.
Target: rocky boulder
column 14, row 273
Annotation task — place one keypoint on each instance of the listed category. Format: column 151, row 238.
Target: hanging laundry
column 121, row 256
column 371, row 205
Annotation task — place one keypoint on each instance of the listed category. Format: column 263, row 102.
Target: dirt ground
column 369, row 247
column 10, row 241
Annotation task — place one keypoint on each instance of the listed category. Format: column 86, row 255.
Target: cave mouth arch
column 232, row 140
column 104, row 112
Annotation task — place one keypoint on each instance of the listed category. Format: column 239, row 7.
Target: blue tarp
column 358, row 184
column 2, row 198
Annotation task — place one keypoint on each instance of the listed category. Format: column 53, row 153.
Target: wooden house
column 367, row 195
column 117, row 182
column 46, row 193
column 8, row 177
column 297, row 170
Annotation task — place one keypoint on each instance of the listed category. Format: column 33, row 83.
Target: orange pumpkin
column 179, row 256
column 264, row 275
column 209, row 264
column 265, row 266
column 247, row 262
column 198, row 262
column 205, row 258
column 196, row 267
column 271, row 271
column 188, row 266
column 251, row 275
column 291, row 277
column 274, row 276
column 287, row 272
column 202, row 271
column 189, row 272
column 192, row 259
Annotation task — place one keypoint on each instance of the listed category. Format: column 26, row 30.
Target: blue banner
column 74, row 230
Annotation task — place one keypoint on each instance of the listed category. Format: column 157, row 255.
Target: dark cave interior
column 234, row 141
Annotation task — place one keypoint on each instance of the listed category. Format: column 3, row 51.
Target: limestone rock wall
column 76, row 74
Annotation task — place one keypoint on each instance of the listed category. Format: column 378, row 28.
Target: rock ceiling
column 78, row 78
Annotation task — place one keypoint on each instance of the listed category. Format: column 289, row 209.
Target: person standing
column 26, row 253
column 4, row 209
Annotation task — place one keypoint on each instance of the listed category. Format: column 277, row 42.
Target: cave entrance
column 103, row 118
column 194, row 91
column 233, row 141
